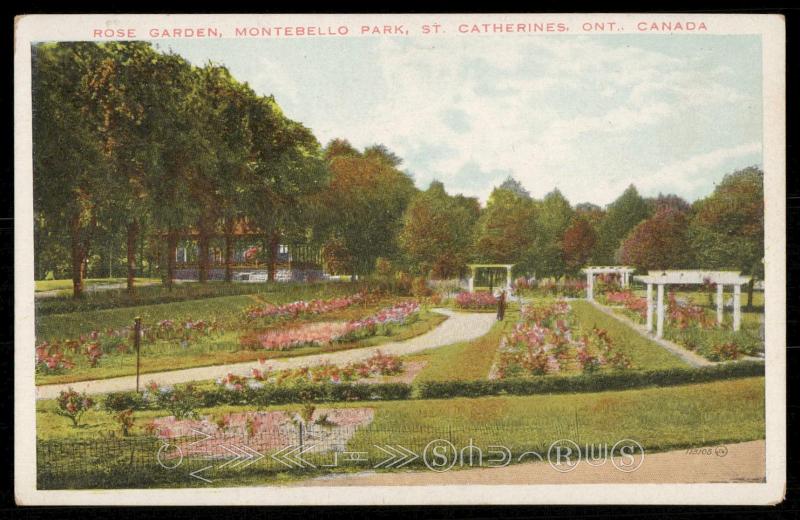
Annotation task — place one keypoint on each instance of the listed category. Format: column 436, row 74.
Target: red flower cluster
column 475, row 300
column 379, row 364
column 294, row 309
column 684, row 315
column 631, row 302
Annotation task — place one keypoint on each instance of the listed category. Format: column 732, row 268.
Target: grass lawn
column 185, row 291
column 228, row 309
column 467, row 360
column 643, row 353
column 658, row 418
column 226, row 348
column 66, row 285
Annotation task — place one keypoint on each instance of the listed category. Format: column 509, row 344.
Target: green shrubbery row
column 598, row 382
column 151, row 295
column 268, row 395
column 328, row 392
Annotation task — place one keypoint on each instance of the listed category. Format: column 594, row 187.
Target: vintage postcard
column 400, row 259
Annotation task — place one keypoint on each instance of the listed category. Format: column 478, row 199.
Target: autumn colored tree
column 621, row 216
column 660, row 242
column 577, row 244
column 727, row 227
column 506, row 230
column 362, row 208
column 437, row 233
column 668, row 201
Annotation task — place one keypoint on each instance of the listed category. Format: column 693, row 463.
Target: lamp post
column 137, row 334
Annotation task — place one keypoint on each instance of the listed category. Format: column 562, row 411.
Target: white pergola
column 623, row 270
column 475, row 267
column 694, row 277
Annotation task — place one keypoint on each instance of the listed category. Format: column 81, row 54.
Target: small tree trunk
column 228, row 256
column 133, row 232
column 78, row 254
column 203, row 260
column 750, row 287
column 274, row 242
column 172, row 249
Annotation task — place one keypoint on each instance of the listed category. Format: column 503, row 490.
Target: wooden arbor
column 623, row 270
column 695, row 277
column 474, row 267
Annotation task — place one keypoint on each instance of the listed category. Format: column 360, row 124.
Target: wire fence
column 294, row 451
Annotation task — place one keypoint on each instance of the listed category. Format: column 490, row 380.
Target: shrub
column 419, row 287
column 125, row 420
column 72, row 405
column 182, row 402
column 596, row 382
column 119, row 401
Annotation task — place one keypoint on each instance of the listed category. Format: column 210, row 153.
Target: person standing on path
column 501, row 306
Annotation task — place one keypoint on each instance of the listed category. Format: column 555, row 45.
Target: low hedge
column 598, row 382
column 270, row 395
column 333, row 393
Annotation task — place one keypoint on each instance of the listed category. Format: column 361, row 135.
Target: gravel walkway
column 460, row 326
column 740, row 462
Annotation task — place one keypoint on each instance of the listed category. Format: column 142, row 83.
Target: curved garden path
column 460, row 326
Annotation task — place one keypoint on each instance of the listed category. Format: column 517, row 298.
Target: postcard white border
column 77, row 27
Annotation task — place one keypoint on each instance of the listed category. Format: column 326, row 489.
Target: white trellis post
column 737, row 306
column 589, row 285
column 471, row 279
column 720, row 289
column 660, row 318
column 508, row 277
column 649, row 296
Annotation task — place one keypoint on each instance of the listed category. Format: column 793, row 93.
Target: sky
column 588, row 115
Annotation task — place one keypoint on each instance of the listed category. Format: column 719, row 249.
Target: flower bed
column 543, row 342
column 53, row 358
column 691, row 326
column 328, row 332
column 302, row 307
column 261, row 431
column 378, row 364
column 635, row 307
column 475, row 300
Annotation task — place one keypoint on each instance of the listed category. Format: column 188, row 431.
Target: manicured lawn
column 222, row 308
column 658, row 418
column 66, row 285
column 721, row 411
column 226, row 348
column 158, row 294
column 643, row 353
column 467, row 360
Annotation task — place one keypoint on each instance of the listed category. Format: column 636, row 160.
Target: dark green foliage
column 590, row 383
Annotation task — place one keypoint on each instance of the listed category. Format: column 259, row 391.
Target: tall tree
column 727, row 227
column 659, row 242
column 513, row 185
column 621, row 216
column 506, row 230
column 553, row 218
column 437, row 233
column 70, row 169
column 364, row 204
column 668, row 201
column 577, row 244
column 124, row 96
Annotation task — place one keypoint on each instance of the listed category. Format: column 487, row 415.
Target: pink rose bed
column 260, row 431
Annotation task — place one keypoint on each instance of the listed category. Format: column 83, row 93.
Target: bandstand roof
column 604, row 269
column 693, row 277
